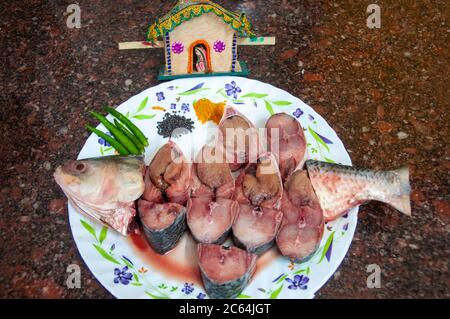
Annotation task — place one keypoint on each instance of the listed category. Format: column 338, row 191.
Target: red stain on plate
column 181, row 263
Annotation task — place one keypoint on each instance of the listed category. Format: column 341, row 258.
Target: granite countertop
column 384, row 91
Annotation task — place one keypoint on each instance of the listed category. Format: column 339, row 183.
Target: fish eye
column 80, row 167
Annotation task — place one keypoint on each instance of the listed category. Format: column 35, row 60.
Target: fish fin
column 402, row 202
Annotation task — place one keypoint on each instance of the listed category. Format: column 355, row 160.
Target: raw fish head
column 104, row 188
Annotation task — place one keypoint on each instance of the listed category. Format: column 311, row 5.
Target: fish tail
column 402, row 201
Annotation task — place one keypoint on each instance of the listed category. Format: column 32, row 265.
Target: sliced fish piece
column 151, row 192
column 339, row 187
column 211, row 221
column 168, row 177
column 211, row 176
column 163, row 224
column 260, row 184
column 285, row 135
column 303, row 222
column 298, row 241
column 255, row 228
column 240, row 138
column 258, row 192
column 104, row 188
column 225, row 271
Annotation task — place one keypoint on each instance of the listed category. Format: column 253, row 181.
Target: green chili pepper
column 133, row 128
column 121, row 137
column 130, row 135
column 117, row 146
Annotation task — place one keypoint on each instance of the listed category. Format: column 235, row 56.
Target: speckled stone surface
column 385, row 92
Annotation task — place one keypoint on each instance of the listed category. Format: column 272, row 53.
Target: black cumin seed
column 174, row 125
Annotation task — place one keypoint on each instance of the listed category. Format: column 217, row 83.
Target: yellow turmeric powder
column 209, row 111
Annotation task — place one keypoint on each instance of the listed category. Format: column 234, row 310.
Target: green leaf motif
column 144, row 117
column 138, row 284
column 89, row 228
column 254, row 95
column 318, row 138
column 194, row 91
column 224, row 95
column 105, row 254
column 281, row 103
column 269, row 107
column 173, row 289
column 142, row 105
column 101, row 151
column 156, row 297
column 281, row 279
column 325, row 248
column 242, row 296
column 275, row 294
column 136, row 277
column 329, row 160
column 102, row 235
column 299, row 271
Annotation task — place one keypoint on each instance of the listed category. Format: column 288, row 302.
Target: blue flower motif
column 160, row 96
column 185, row 107
column 102, row 141
column 188, row 288
column 122, row 276
column 232, row 89
column 311, row 118
column 345, row 227
column 173, row 106
column 300, row 281
column 201, row 296
column 298, row 112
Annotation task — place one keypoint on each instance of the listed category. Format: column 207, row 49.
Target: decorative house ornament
column 200, row 38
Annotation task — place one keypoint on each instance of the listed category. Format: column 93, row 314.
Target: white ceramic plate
column 128, row 269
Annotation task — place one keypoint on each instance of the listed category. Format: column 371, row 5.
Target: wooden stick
column 256, row 41
column 140, row 45
column 160, row 44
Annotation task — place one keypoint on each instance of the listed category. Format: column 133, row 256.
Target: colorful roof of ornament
column 185, row 10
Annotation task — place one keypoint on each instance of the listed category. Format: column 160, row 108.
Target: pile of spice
column 174, row 125
column 209, row 111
